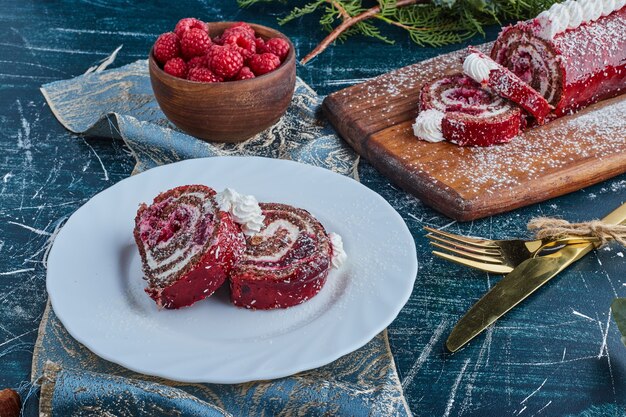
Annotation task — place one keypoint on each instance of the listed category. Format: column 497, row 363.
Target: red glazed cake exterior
column 473, row 116
column 283, row 265
column 508, row 85
column 575, row 68
column 187, row 246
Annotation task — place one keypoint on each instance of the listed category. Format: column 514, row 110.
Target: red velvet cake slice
column 284, row 264
column 574, row 54
column 187, row 245
column 456, row 108
column 503, row 82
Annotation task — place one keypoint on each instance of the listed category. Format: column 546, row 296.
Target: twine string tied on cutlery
column 551, row 228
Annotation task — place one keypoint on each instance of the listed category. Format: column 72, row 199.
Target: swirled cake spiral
column 187, row 245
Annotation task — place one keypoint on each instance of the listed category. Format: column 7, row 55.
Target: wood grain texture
column 228, row 111
column 568, row 154
column 559, row 354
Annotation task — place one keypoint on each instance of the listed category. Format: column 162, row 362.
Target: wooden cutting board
column 570, row 153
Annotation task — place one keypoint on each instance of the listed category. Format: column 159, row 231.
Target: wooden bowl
column 230, row 111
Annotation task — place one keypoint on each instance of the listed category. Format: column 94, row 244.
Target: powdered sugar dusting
column 596, row 134
column 376, row 120
column 601, row 42
column 577, row 67
column 385, row 97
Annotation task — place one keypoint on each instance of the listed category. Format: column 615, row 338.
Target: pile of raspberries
column 237, row 54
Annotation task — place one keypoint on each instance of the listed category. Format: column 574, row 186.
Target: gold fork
column 496, row 256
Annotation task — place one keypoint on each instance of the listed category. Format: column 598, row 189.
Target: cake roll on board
column 560, row 157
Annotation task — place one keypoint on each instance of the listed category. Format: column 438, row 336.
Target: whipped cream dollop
column 573, row 13
column 339, row 254
column 478, row 67
column 245, row 210
column 427, row 125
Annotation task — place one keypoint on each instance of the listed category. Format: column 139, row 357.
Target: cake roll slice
column 574, row 54
column 458, row 109
column 187, row 245
column 484, row 70
column 284, row 264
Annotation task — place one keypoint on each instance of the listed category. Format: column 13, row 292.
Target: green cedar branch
column 427, row 22
column 347, row 23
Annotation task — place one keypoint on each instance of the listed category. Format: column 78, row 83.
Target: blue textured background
column 557, row 354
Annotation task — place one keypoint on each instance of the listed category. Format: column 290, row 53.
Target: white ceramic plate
column 96, row 288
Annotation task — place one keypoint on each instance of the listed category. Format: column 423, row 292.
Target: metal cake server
column 519, row 284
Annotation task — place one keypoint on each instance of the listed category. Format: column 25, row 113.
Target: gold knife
column 525, row 279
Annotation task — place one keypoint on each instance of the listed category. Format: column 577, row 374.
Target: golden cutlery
column 525, row 279
column 496, row 256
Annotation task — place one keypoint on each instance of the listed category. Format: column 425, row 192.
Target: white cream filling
column 576, row 14
column 182, row 255
column 292, row 235
column 245, row 210
column 536, row 52
column 497, row 106
column 427, row 125
column 179, row 265
column 478, row 67
column 592, row 9
column 608, row 6
column 573, row 13
column 548, row 66
column 339, row 254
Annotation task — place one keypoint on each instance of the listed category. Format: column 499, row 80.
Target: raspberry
column 209, row 56
column 260, row 45
column 203, row 75
column 278, row 47
column 263, row 63
column 166, row 47
column 176, row 67
column 225, row 61
column 244, row 74
column 240, row 42
column 241, row 26
column 197, row 61
column 195, row 42
column 187, row 23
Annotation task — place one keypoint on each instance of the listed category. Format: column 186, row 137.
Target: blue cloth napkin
column 119, row 104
